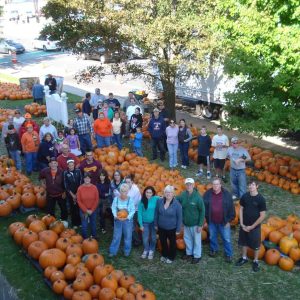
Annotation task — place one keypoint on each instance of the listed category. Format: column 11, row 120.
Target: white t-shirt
column 221, row 144
column 116, row 124
column 135, row 195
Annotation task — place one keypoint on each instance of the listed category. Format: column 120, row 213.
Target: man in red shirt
column 65, row 156
column 219, row 212
column 92, row 166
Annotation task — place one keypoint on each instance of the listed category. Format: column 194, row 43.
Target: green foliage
column 265, row 57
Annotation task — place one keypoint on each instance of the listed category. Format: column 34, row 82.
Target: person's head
column 124, row 189
column 160, row 105
column 27, row 117
column 111, row 96
column 117, row 176
column 116, row 115
column 156, row 113
column 37, row 81
column 48, row 137
column 10, row 119
column 138, row 129
column 137, row 111
column 72, row 131
column 103, row 176
column 88, row 95
column 101, row 115
column 203, row 130
column 60, row 134
column 235, row 142
column 253, row 187
column 129, row 180
column 89, row 155
column 78, row 112
column 29, row 128
column 71, row 122
column 97, row 91
column 105, row 104
column 65, row 149
column 87, row 178
column 182, row 123
column 216, row 185
column 148, row 192
column 172, row 123
column 53, row 163
column 11, row 128
column 46, row 121
column 189, row 184
column 130, row 95
column 169, row 192
column 50, row 76
column 132, row 101
column 219, row 130
column 17, row 114
column 71, row 164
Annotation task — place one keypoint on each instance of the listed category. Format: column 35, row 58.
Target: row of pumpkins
column 13, row 91
column 4, row 113
column 284, row 237
column 16, row 189
column 73, row 265
column 36, row 109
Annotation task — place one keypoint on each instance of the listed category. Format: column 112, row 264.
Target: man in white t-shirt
column 221, row 143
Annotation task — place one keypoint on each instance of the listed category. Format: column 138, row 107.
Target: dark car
column 10, row 46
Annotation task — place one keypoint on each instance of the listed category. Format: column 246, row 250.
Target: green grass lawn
column 213, row 278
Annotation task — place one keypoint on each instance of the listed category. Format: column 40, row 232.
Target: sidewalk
column 7, row 292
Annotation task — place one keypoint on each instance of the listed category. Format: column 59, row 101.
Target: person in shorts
column 204, row 144
column 220, row 142
column 252, row 213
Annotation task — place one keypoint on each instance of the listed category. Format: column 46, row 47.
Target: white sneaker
column 168, row 261
column 163, row 259
column 208, row 176
column 234, row 197
column 144, row 255
column 151, row 254
column 183, row 167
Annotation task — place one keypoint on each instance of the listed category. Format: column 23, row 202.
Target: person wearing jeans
column 172, row 143
column 167, row 220
column 193, row 218
column 184, row 137
column 117, row 126
column 146, row 212
column 123, row 211
column 103, row 131
column 88, row 200
column 238, row 156
column 219, row 212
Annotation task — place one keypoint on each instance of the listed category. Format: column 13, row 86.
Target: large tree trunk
column 169, row 97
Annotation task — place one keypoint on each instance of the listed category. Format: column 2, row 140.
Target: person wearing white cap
column 193, row 211
column 238, row 156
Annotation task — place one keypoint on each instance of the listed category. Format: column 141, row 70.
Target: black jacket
column 228, row 206
column 12, row 142
column 46, row 149
column 72, row 180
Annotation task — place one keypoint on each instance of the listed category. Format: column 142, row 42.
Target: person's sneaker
column 241, row 262
column 208, row 175
column 163, row 259
column 212, row 253
column 144, row 255
column 255, row 266
column 234, row 197
column 195, row 260
column 199, row 173
column 103, row 230
column 186, row 257
column 150, row 255
column 168, row 261
column 111, row 255
column 183, row 167
column 228, row 259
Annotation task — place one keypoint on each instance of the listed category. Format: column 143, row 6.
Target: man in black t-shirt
column 252, row 213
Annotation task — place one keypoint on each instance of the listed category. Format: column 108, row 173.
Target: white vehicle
column 44, row 43
column 13, row 15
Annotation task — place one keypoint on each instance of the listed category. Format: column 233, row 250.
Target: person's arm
column 80, row 201
column 201, row 208
column 78, row 143
column 23, row 142
column 131, row 209
column 19, row 146
column 140, row 215
column 96, row 199
column 190, row 135
column 241, row 217
column 114, row 208
column 156, row 214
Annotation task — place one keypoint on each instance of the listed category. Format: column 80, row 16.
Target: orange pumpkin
column 286, row 264
column 286, row 243
column 272, row 257
column 52, row 257
column 294, row 254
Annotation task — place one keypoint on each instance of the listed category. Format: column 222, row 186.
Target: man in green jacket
column 193, row 210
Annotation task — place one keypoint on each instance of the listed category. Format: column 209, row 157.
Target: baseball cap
column 155, row 110
column 52, row 159
column 234, row 139
column 27, row 116
column 189, row 180
column 77, row 110
column 29, row 125
column 70, row 161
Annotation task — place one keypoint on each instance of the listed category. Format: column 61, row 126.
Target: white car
column 44, row 43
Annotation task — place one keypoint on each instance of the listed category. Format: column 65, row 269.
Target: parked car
column 9, row 46
column 44, row 43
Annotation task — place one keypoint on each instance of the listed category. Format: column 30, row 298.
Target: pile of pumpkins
column 13, row 91
column 283, row 239
column 16, row 189
column 4, row 113
column 279, row 170
column 72, row 264
column 36, row 109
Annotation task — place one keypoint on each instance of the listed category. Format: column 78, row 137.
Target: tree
column 263, row 37
column 178, row 37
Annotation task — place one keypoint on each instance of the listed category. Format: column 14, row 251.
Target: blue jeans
column 149, row 237
column 103, row 141
column 225, row 233
column 16, row 156
column 193, row 241
column 238, row 182
column 85, row 223
column 184, row 148
column 85, row 142
column 120, row 228
column 138, row 151
column 117, row 138
column 172, row 148
column 31, row 162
